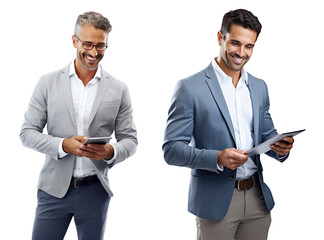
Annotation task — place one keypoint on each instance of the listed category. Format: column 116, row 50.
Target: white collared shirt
column 83, row 98
column 239, row 104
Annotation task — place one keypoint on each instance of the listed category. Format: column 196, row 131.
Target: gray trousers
column 247, row 219
column 87, row 204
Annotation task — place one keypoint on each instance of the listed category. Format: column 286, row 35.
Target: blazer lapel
column 68, row 94
column 102, row 89
column 218, row 96
column 255, row 107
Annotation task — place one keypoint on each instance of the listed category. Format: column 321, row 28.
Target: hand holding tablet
column 265, row 146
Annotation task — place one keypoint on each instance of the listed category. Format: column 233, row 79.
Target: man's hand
column 232, row 158
column 97, row 151
column 71, row 145
column 283, row 147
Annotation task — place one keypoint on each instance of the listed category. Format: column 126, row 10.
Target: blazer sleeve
column 125, row 130
column 35, row 119
column 179, row 133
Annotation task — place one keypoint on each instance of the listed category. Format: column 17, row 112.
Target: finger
column 87, row 154
column 237, row 163
column 243, row 152
column 85, row 148
column 235, row 166
column 80, row 137
column 281, row 151
column 290, row 140
column 283, row 144
column 96, row 147
column 240, row 156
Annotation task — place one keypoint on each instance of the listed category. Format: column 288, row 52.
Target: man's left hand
column 283, row 147
column 97, row 151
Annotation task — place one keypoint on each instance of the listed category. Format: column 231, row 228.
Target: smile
column 238, row 60
column 90, row 58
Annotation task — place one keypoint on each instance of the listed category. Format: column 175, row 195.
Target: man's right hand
column 232, row 158
column 71, row 145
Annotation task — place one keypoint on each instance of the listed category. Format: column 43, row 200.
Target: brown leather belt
column 246, row 184
column 78, row 182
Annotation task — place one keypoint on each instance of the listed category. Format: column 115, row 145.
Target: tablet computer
column 97, row 140
column 265, row 146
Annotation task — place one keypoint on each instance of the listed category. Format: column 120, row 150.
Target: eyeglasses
column 90, row 46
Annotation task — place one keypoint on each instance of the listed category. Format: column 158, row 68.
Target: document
column 265, row 146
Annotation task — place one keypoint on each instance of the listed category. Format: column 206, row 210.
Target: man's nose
column 241, row 51
column 93, row 52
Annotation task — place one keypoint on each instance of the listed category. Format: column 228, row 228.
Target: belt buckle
column 238, row 185
column 75, row 182
column 242, row 180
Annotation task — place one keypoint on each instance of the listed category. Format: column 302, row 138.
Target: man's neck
column 83, row 74
column 235, row 75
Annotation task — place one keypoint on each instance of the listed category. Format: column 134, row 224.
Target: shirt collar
column 221, row 76
column 96, row 77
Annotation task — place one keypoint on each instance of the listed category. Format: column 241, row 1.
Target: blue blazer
column 199, row 126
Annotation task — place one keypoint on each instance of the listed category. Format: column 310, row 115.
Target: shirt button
column 232, row 177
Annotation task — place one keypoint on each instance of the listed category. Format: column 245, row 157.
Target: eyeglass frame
column 92, row 45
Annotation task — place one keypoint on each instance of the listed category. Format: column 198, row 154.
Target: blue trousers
column 87, row 204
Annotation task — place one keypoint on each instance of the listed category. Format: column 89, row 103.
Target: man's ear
column 220, row 37
column 74, row 41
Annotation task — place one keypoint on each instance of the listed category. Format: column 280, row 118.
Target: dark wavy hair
column 240, row 17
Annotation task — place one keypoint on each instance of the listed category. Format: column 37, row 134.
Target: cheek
column 230, row 50
column 249, row 53
column 80, row 52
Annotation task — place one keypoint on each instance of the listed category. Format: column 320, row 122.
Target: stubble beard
column 228, row 64
column 82, row 61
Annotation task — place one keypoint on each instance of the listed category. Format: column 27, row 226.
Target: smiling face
column 89, row 59
column 236, row 48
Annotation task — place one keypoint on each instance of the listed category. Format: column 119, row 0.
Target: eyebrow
column 93, row 43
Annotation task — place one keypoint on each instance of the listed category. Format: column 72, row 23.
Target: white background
column 152, row 45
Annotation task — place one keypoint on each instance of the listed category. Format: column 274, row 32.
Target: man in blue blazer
column 78, row 101
column 215, row 116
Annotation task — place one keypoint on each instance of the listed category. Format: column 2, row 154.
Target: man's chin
column 235, row 67
column 90, row 68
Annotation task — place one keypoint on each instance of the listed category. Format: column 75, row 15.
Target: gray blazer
column 51, row 104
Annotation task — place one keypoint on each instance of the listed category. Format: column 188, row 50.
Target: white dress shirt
column 239, row 104
column 83, row 98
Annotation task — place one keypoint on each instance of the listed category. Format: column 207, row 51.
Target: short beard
column 99, row 56
column 230, row 67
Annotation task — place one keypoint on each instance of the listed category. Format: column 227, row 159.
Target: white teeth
column 90, row 58
column 238, row 59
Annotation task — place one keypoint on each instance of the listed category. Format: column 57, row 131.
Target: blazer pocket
column 109, row 103
column 204, row 173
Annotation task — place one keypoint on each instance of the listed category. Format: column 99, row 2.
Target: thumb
column 240, row 151
column 80, row 138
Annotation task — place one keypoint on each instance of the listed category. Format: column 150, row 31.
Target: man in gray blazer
column 79, row 101
column 215, row 115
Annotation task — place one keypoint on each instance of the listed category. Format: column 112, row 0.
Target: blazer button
column 232, row 177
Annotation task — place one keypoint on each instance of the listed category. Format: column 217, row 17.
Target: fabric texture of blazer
column 199, row 126
column 51, row 104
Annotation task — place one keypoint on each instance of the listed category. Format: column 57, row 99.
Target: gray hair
column 92, row 18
